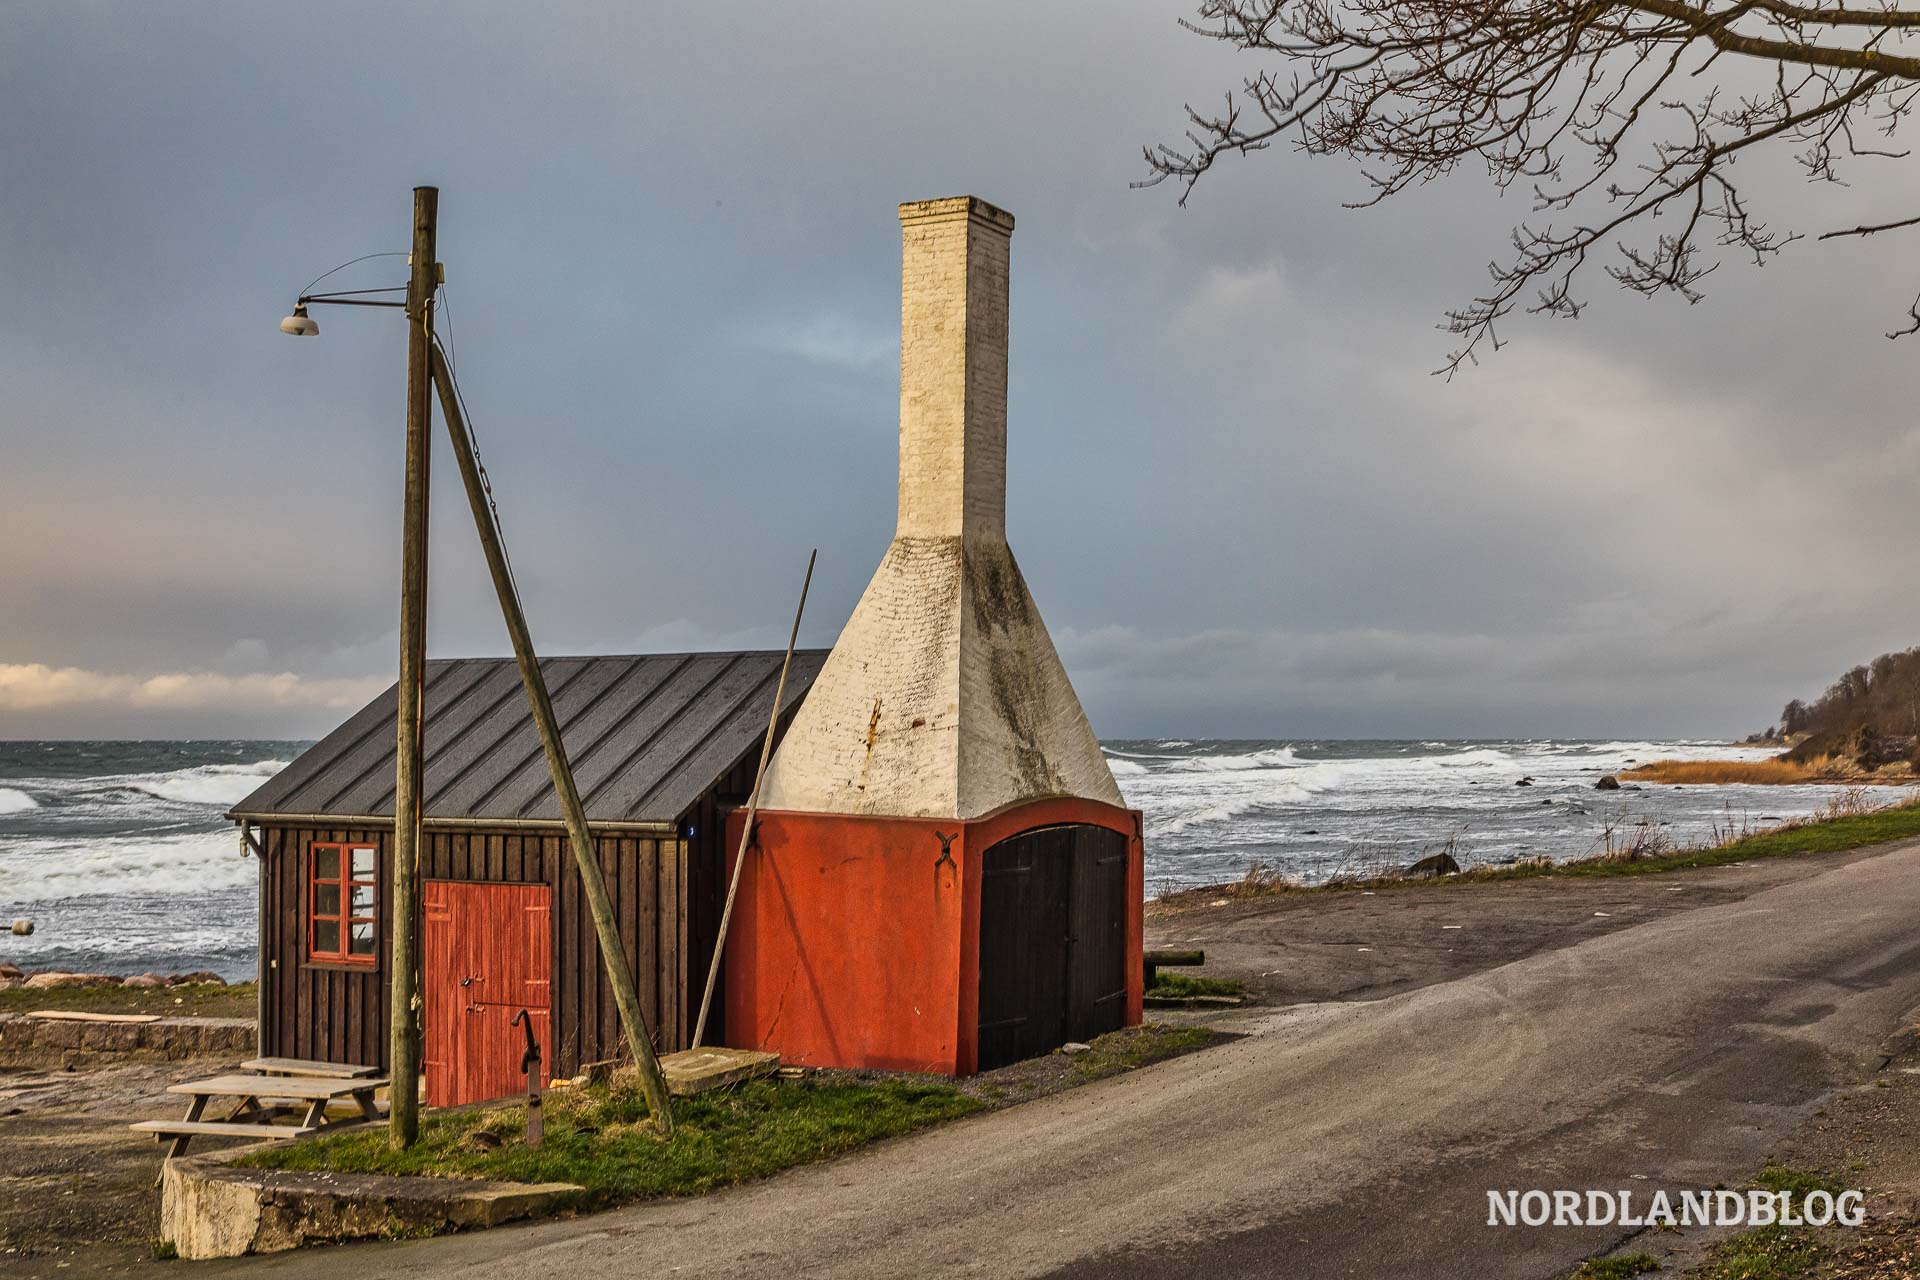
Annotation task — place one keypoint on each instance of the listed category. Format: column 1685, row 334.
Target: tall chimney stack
column 944, row 697
column 953, row 368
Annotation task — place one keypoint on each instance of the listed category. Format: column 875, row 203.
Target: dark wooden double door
column 1053, row 954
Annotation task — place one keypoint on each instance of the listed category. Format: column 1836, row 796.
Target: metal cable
column 486, row 481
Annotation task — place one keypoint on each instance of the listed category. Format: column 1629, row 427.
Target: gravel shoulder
column 1357, row 944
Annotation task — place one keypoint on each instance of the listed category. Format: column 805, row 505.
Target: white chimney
column 943, row 697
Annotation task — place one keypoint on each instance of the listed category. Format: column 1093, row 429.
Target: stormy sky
column 1243, row 504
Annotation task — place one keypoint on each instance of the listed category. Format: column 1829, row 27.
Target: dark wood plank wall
column 333, row 1012
column 666, row 894
column 707, row 855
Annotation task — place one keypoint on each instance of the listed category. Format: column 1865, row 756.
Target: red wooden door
column 486, row 953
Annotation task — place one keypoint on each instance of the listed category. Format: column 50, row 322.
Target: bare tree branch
column 1625, row 107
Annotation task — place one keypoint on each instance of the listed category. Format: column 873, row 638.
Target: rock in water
column 22, row 927
column 1440, row 864
column 1524, row 782
column 1607, row 783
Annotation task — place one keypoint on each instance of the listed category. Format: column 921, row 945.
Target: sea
column 118, row 853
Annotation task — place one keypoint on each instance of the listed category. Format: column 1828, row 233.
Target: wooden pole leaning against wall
column 613, row 952
column 753, row 809
column 404, row 1022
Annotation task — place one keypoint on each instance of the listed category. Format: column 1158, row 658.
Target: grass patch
column 1771, row 1253
column 196, row 1000
column 1119, row 1051
column 1800, row 1182
column 1621, row 1268
column 599, row 1138
column 1764, row 1253
column 1176, row 985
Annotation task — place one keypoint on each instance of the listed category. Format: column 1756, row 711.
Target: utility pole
column 404, row 1116
column 613, row 952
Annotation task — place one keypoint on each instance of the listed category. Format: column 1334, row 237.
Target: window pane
column 326, row 937
column 363, row 864
column 360, row 939
column 362, row 900
column 326, row 899
column 326, row 864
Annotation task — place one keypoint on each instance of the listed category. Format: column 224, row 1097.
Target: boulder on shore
column 11, row 971
column 1607, row 783
column 146, row 980
column 1440, row 864
column 53, row 981
column 197, row 977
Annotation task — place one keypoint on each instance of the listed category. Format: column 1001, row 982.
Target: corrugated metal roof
column 646, row 734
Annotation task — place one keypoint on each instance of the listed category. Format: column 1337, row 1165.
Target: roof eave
column 650, row 827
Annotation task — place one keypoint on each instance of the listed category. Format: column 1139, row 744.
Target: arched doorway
column 1053, row 911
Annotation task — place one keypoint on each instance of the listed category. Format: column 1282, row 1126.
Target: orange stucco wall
column 855, row 940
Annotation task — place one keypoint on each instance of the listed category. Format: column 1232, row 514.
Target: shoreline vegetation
column 1782, row 770
column 1851, row 820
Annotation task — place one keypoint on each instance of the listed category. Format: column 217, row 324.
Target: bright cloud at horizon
column 36, row 686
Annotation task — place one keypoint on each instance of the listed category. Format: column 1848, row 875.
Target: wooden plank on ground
column 697, row 1070
column 74, row 1015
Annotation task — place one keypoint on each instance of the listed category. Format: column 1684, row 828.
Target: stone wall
column 27, row 1041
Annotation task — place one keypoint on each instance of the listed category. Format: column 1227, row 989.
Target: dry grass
column 1777, row 771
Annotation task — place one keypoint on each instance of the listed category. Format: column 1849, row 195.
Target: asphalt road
column 1357, row 1138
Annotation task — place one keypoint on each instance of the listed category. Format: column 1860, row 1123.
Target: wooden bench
column 309, row 1067
column 262, row 1099
column 218, row 1129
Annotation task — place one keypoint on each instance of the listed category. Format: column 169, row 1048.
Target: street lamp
column 299, row 324
column 427, row 370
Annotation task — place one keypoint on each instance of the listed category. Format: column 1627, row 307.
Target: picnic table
column 267, row 1089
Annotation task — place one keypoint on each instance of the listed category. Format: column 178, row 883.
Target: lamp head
column 299, row 324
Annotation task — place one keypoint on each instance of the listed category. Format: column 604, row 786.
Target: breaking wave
column 1307, row 808
column 12, row 801
column 217, row 785
column 195, row 863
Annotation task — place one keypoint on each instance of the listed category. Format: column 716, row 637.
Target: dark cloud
column 672, row 255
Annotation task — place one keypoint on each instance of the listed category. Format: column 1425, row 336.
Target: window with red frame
column 341, row 924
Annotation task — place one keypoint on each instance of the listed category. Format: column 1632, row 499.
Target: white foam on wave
column 48, row 870
column 14, row 801
column 209, row 784
column 1167, row 814
column 1480, row 757
column 1271, row 758
column 1121, row 768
